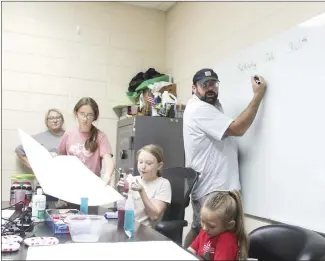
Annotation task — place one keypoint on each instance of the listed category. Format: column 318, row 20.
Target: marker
column 257, row 80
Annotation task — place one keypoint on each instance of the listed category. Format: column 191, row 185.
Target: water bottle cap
column 39, row 191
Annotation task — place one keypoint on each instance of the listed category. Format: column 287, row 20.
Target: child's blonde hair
column 154, row 150
column 229, row 203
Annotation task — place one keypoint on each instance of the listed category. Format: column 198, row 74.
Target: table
column 111, row 233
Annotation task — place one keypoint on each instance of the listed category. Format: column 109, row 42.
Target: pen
column 118, row 171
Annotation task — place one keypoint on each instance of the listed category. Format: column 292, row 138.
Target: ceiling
column 162, row 6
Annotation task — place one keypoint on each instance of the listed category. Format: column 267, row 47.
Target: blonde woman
column 50, row 139
column 151, row 192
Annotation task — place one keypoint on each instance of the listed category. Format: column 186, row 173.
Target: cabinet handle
column 131, row 143
column 123, row 154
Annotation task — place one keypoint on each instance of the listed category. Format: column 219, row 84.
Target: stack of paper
column 6, row 213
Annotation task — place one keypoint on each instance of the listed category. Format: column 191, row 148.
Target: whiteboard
column 282, row 155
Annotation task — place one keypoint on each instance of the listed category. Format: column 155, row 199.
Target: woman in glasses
column 50, row 139
column 88, row 143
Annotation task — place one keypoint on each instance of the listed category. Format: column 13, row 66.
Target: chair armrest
column 164, row 226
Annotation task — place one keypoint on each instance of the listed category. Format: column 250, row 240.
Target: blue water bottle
column 129, row 216
column 84, row 206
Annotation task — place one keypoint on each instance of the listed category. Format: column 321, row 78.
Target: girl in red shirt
column 223, row 235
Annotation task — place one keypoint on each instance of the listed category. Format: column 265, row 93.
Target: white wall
column 46, row 63
column 198, row 34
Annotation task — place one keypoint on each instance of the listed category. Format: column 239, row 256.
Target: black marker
column 257, row 80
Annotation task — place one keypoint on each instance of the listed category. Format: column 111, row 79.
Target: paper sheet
column 66, row 177
column 6, row 213
column 150, row 250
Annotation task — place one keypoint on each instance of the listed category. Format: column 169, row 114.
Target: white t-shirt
column 207, row 150
column 159, row 189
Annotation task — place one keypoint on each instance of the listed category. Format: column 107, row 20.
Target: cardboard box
column 170, row 88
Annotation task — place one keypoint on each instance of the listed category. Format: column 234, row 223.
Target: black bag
column 151, row 73
column 136, row 81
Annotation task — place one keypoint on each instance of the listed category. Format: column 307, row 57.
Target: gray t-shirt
column 208, row 150
column 47, row 139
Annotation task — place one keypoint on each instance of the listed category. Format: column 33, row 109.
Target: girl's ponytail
column 91, row 143
column 240, row 227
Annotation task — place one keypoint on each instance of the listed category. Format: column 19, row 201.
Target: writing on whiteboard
column 247, row 66
column 270, row 55
column 298, row 44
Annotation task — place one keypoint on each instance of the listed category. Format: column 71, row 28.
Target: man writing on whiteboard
column 209, row 142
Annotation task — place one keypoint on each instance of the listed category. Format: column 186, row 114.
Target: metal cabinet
column 136, row 132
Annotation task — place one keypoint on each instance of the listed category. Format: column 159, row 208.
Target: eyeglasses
column 52, row 118
column 210, row 84
column 86, row 116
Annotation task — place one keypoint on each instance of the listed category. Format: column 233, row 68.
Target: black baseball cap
column 205, row 75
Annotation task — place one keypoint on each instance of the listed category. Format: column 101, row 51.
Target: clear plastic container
column 85, row 228
column 120, row 212
column 129, row 216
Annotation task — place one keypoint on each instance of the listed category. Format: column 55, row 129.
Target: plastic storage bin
column 55, row 219
column 85, row 228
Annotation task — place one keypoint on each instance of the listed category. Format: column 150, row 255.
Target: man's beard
column 209, row 97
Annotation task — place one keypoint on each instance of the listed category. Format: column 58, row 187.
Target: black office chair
column 284, row 242
column 172, row 223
